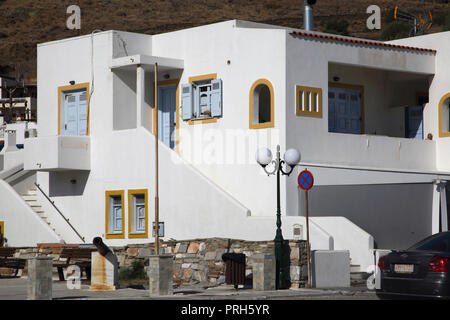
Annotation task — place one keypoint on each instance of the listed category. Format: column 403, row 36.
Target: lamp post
column 291, row 158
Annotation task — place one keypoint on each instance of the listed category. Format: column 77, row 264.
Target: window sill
column 115, row 236
column 262, row 125
column 138, row 235
column 206, row 120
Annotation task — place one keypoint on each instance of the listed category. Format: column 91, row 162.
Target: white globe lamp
column 263, row 156
column 292, row 157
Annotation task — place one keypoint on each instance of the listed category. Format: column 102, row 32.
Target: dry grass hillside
column 24, row 23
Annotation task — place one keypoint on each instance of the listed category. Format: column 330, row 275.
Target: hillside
column 24, row 23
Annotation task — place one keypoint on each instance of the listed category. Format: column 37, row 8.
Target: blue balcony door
column 75, row 113
column 344, row 110
column 167, row 114
column 414, row 122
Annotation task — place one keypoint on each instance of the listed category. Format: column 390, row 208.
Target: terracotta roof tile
column 358, row 41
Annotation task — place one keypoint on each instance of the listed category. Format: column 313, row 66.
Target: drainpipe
column 156, row 165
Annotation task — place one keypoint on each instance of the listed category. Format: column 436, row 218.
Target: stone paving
column 16, row 289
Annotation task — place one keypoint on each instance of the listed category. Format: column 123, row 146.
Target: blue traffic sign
column 305, row 180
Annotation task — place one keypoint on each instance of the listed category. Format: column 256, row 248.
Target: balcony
column 58, row 153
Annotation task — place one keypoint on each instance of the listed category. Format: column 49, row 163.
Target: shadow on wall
column 67, row 183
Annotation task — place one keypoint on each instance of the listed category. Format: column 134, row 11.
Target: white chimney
column 308, row 15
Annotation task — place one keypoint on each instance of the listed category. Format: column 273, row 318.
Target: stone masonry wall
column 197, row 261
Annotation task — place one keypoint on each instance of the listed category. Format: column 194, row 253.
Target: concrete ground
column 16, row 289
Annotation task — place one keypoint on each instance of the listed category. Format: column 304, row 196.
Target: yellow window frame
column 442, row 133
column 2, row 226
column 302, row 104
column 210, row 76
column 271, row 123
column 132, row 235
column 108, row 194
column 62, row 90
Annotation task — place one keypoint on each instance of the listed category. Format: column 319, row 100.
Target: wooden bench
column 7, row 260
column 80, row 257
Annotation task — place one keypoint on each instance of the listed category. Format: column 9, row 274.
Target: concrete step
column 355, row 268
column 29, row 197
column 359, row 276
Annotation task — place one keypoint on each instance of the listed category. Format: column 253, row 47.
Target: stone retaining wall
column 200, row 260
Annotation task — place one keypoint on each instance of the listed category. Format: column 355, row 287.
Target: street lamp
column 291, row 158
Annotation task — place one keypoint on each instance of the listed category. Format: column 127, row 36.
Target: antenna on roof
column 420, row 23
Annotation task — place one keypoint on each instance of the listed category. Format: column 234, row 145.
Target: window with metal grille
column 308, row 101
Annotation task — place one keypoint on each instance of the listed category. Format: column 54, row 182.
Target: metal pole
column 156, row 165
column 279, row 237
column 308, row 248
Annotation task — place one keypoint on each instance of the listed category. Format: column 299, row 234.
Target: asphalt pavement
column 16, row 289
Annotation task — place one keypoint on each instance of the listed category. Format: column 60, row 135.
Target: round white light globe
column 263, row 156
column 292, row 157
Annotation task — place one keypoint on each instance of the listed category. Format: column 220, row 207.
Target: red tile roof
column 357, row 41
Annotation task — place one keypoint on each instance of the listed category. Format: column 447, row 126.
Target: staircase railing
column 59, row 211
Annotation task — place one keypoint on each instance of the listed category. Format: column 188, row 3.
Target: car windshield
column 437, row 242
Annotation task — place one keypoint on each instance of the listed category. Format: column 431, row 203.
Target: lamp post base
column 282, row 264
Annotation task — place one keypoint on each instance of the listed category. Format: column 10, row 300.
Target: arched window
column 261, row 105
column 444, row 116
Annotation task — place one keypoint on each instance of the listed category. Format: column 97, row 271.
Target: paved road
column 16, row 289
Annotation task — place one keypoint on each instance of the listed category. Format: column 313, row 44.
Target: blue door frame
column 167, row 114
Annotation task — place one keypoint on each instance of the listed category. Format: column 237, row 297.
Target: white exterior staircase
column 31, row 198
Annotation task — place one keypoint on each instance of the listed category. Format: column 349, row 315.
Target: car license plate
column 404, row 268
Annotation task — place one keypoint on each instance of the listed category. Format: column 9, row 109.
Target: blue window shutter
column 216, row 98
column 187, row 93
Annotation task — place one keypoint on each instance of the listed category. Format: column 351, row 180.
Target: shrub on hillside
column 337, row 26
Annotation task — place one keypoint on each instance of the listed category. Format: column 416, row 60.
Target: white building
column 359, row 111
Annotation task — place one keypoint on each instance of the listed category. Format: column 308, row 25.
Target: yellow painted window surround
column 271, row 123
column 2, row 226
column 61, row 91
column 211, row 76
column 108, row 195
column 444, row 115
column 131, row 213
column 308, row 101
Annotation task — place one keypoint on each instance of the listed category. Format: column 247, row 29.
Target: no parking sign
column 305, row 180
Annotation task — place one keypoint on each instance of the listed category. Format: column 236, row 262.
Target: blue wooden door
column 167, row 114
column 344, row 110
column 75, row 113
column 414, row 122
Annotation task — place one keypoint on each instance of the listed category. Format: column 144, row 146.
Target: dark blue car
column 420, row 271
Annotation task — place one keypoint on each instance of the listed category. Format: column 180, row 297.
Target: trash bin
column 234, row 268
